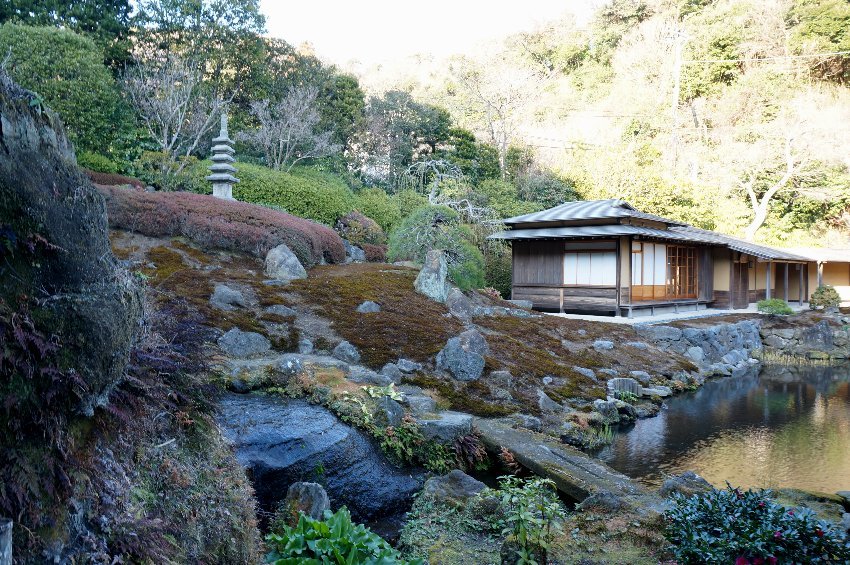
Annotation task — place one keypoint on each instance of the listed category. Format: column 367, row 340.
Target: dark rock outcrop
column 454, row 488
column 463, row 356
column 281, row 442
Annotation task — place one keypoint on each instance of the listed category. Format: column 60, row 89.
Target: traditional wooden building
column 605, row 256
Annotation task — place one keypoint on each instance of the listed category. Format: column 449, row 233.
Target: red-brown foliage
column 213, row 223
column 375, row 253
column 110, row 179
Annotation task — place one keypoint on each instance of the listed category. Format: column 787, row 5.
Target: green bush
column 303, row 192
column 498, row 270
column 359, row 229
column 438, row 227
column 774, row 306
column 379, row 206
column 824, row 297
column 336, row 539
column 150, row 165
column 96, row 162
column 532, row 514
column 409, row 201
column 734, row 526
column 66, row 70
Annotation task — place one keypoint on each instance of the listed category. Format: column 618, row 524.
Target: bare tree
column 171, row 101
column 287, row 130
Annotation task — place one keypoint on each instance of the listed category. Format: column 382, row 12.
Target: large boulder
column 460, row 306
column 277, row 453
column 283, row 265
column 346, row 352
column 463, row 356
column 431, row 280
column 56, row 265
column 446, row 426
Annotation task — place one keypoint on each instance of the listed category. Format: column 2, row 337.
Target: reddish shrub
column 375, row 253
column 111, row 179
column 221, row 224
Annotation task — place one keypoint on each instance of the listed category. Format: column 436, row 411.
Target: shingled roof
column 548, row 224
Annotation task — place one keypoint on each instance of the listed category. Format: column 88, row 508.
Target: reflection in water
column 786, row 427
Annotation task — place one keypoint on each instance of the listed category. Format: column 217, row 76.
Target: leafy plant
column 336, row 539
column 626, row 396
column 775, row 306
column 532, row 512
column 382, row 391
column 824, row 296
column 730, row 525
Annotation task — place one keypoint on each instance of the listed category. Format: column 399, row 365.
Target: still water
column 787, row 427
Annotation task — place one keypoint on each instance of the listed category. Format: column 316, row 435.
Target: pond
column 787, row 427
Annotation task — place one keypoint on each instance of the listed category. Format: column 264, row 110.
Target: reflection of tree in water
column 786, row 427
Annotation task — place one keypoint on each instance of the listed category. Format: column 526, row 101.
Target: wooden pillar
column 802, row 266
column 785, row 275
column 5, row 541
column 768, row 272
column 820, row 273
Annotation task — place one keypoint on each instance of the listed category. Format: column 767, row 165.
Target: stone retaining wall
column 819, row 341
column 724, row 349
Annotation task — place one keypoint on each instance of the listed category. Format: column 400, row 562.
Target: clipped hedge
column 360, row 229
column 213, row 223
column 775, row 306
column 303, row 192
column 110, row 179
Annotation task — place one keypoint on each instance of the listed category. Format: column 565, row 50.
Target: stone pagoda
column 222, row 169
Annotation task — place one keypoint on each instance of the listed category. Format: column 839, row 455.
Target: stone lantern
column 222, row 171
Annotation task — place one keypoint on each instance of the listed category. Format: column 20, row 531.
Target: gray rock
column 608, row 410
column 642, row 376
column 732, row 358
column 522, row 303
column 392, row 371
column 627, row 412
column 845, row 522
column 309, row 498
column 845, row 494
column 455, row 488
column 390, row 411
column 460, row 306
column 526, row 421
column 662, row 391
column 369, row 307
column 290, row 365
column 688, row 484
column 446, row 426
column 585, row 372
column 237, row 343
column 362, row 375
column 696, row 353
column 546, row 404
column 346, row 352
column 818, row 336
column 603, row 501
column 239, row 386
column 305, row 346
column 608, row 372
column 420, row 404
column 408, row 366
column 625, row 385
column 277, row 453
column 603, row 345
column 226, row 298
column 659, row 333
column 463, row 356
column 283, row 265
column 784, row 333
column 636, row 345
column 581, row 332
column 431, row 280
column 353, row 254
column 503, row 379
column 281, row 310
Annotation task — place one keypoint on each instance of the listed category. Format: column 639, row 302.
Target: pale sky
column 373, row 31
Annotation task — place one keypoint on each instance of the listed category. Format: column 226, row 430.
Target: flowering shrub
column 223, row 224
column 749, row 528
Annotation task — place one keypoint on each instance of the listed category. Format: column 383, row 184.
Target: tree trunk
column 758, row 221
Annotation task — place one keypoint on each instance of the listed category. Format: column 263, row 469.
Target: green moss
column 408, row 325
column 465, row 397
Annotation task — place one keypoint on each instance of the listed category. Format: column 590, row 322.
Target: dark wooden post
column 785, row 274
column 5, row 541
column 800, row 266
column 768, row 272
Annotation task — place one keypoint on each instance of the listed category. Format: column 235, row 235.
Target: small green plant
column 627, row 396
column 775, row 306
column 734, row 526
column 382, row 391
column 336, row 539
column 824, row 296
column 532, row 515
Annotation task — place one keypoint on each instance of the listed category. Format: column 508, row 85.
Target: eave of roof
column 612, row 209
column 606, row 230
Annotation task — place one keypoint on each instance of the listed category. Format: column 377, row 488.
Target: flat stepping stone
column 446, row 426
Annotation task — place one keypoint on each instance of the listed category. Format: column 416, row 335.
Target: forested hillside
column 731, row 114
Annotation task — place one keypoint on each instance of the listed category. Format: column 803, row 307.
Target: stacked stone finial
column 222, row 157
